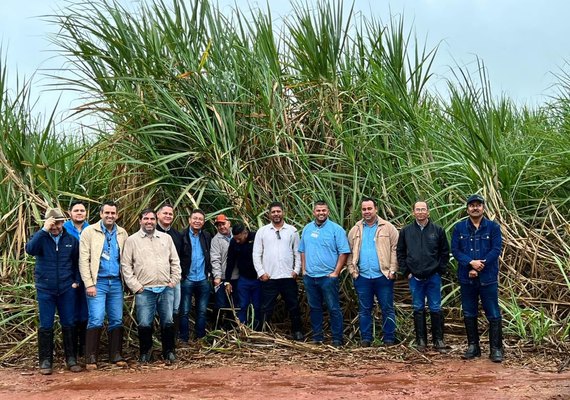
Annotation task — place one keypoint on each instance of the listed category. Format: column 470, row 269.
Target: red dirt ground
column 344, row 374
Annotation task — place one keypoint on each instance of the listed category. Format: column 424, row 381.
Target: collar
column 163, row 228
column 143, row 234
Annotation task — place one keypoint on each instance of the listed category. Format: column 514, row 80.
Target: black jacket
column 176, row 238
column 240, row 256
column 422, row 252
column 186, row 256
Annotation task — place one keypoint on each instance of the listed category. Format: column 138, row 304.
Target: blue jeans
column 489, row 295
column 324, row 289
column 177, row 297
column 249, row 292
column 148, row 302
column 200, row 290
column 430, row 288
column 64, row 303
column 109, row 299
column 222, row 298
column 383, row 289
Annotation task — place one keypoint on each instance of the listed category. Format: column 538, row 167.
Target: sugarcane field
column 245, row 205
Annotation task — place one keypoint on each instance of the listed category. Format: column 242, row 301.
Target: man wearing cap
column 165, row 217
column 57, row 279
column 476, row 245
column 196, row 270
column 100, row 247
column 219, row 258
column 423, row 254
column 278, row 263
column 151, row 270
column 373, row 265
column 74, row 226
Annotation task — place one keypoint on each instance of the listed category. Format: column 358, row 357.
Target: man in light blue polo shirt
column 324, row 249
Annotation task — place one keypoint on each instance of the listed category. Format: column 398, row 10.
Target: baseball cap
column 475, row 197
column 220, row 219
column 55, row 213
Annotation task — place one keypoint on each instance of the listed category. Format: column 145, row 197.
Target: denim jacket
column 468, row 243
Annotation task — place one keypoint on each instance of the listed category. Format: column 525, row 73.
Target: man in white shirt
column 278, row 263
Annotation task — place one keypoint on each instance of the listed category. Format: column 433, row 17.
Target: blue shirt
column 322, row 246
column 198, row 263
column 109, row 264
column 368, row 263
column 72, row 230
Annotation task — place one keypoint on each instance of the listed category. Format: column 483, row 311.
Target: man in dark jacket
column 476, row 245
column 57, row 279
column 196, row 270
column 423, row 254
column 240, row 256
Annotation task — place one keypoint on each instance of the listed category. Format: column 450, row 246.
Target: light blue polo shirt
column 322, row 246
column 368, row 263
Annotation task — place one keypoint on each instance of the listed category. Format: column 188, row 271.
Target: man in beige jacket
column 151, row 269
column 373, row 266
column 100, row 247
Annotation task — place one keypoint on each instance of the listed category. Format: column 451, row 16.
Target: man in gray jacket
column 151, row 269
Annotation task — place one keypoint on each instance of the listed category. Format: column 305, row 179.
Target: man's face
column 109, row 214
column 276, row 215
column 196, row 221
column 165, row 216
column 223, row 228
column 475, row 209
column 421, row 212
column 56, row 228
column 241, row 238
column 369, row 211
column 321, row 213
column 148, row 223
column 78, row 213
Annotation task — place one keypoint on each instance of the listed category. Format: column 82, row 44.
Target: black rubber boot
column 69, row 349
column 92, row 338
column 45, row 350
column 176, row 326
column 116, row 347
column 496, row 340
column 145, row 344
column 420, row 329
column 437, row 324
column 473, row 349
column 79, row 338
column 168, row 344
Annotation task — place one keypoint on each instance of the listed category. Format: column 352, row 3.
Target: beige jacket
column 90, row 248
column 150, row 261
column 386, row 240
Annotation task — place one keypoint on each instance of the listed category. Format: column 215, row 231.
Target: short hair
column 238, row 228
column 76, row 202
column 420, row 201
column 374, row 203
column 146, row 211
column 320, row 202
column 198, row 211
column 109, row 203
column 275, row 204
column 163, row 206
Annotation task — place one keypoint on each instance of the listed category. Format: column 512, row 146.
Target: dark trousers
column 287, row 288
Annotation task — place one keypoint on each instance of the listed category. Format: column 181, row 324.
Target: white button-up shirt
column 275, row 251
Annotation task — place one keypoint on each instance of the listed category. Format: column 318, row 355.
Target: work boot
column 176, row 326
column 92, row 338
column 473, row 349
column 145, row 344
column 420, row 329
column 496, row 340
column 79, row 338
column 437, row 324
column 168, row 344
column 68, row 349
column 45, row 350
column 116, row 346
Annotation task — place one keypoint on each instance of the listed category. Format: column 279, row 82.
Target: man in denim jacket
column 476, row 245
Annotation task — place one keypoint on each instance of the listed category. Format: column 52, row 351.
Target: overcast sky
column 520, row 41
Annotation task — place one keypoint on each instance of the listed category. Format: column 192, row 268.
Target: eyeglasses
column 421, row 209
column 278, row 235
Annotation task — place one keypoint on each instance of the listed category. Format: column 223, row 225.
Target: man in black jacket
column 423, row 254
column 196, row 270
column 240, row 256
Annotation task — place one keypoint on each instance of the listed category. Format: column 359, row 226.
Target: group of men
column 80, row 270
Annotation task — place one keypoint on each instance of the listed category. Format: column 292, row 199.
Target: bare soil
column 302, row 372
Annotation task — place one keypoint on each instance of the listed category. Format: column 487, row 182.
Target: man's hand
column 91, row 291
column 75, row 285
column 333, row 275
column 294, row 275
column 264, row 278
column 355, row 275
column 217, row 281
column 228, row 288
column 392, row 275
column 49, row 223
column 477, row 265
